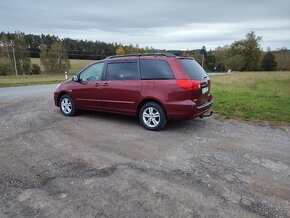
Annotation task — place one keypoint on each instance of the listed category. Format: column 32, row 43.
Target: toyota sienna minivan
column 153, row 87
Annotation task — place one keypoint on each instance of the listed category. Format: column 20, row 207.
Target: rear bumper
column 187, row 109
column 200, row 110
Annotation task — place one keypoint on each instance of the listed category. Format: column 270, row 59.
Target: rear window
column 155, row 69
column 193, row 69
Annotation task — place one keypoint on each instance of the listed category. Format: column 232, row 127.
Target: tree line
column 17, row 48
column 243, row 55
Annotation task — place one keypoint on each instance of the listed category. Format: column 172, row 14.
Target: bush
column 35, row 69
column 5, row 66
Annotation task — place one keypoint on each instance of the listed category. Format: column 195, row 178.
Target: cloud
column 184, row 24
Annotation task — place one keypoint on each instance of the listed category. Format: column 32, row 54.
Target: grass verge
column 258, row 96
column 25, row 80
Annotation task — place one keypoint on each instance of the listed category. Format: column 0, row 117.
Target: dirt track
column 103, row 165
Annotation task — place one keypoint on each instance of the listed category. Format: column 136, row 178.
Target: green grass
column 260, row 96
column 25, row 80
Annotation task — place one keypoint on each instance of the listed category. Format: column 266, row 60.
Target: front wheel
column 152, row 116
column 66, row 105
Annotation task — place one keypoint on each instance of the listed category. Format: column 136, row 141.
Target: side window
column 122, row 71
column 92, row 73
column 155, row 69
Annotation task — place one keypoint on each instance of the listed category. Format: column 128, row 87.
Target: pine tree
column 268, row 62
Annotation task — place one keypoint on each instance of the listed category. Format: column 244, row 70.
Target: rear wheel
column 152, row 116
column 66, row 105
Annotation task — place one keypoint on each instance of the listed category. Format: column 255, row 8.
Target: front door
column 87, row 91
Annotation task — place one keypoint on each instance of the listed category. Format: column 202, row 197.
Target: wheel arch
column 60, row 95
column 146, row 100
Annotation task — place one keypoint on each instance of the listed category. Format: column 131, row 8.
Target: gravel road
column 104, row 165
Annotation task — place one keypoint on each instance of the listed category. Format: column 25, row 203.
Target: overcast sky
column 163, row 24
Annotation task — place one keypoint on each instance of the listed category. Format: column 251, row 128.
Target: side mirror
column 75, row 78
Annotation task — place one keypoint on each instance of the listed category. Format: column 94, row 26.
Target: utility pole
column 203, row 53
column 14, row 59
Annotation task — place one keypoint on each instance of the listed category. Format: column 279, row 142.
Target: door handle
column 105, row 84
column 97, row 84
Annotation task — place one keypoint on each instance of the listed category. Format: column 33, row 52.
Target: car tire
column 67, row 105
column 152, row 116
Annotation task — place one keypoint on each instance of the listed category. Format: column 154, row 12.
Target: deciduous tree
column 220, row 54
column 5, row 60
column 282, row 57
column 248, row 50
column 54, row 60
column 22, row 54
column 120, row 50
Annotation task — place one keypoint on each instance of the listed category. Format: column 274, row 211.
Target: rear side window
column 193, row 69
column 122, row 71
column 155, row 69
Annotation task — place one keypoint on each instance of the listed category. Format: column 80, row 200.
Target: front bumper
column 56, row 94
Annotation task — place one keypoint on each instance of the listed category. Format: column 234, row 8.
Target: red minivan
column 154, row 87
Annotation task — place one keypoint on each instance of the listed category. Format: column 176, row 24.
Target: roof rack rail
column 142, row 54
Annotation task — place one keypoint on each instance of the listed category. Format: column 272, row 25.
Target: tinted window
column 193, row 69
column 155, row 69
column 92, row 73
column 122, row 71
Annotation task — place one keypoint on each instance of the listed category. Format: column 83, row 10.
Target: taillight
column 195, row 84
column 188, row 84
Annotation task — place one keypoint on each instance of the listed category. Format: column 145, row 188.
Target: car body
column 178, row 86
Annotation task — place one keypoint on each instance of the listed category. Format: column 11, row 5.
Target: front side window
column 122, row 71
column 92, row 73
column 155, row 69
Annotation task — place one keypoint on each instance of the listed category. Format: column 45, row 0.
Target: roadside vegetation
column 24, row 80
column 259, row 96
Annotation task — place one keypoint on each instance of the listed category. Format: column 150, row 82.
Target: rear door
column 121, row 87
column 87, row 91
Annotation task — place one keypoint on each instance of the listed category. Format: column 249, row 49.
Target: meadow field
column 259, row 96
